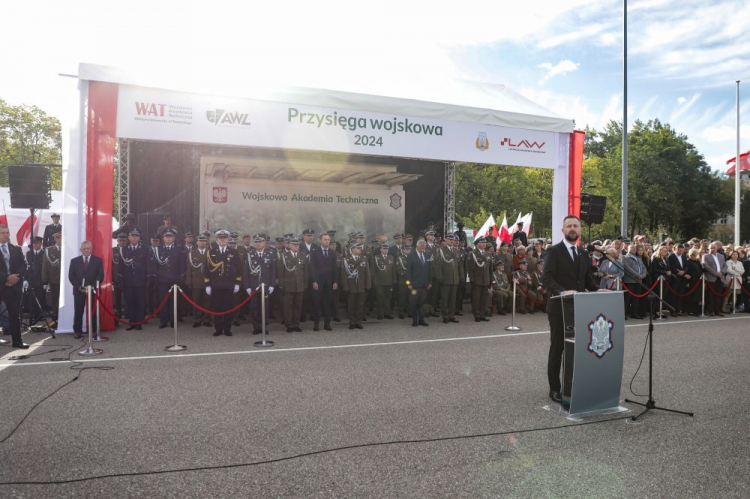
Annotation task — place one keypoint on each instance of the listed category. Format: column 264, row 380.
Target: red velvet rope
column 527, row 296
column 122, row 321
column 184, row 295
column 644, row 294
column 686, row 294
column 722, row 295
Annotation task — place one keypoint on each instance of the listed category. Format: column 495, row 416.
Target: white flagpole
column 624, row 201
column 737, row 175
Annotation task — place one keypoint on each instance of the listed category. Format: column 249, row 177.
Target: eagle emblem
column 482, row 143
column 600, row 340
column 395, row 201
column 220, row 194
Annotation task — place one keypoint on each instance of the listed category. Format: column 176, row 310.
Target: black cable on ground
column 643, row 355
column 306, row 454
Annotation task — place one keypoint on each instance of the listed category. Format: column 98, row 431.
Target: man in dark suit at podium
column 566, row 270
column 85, row 270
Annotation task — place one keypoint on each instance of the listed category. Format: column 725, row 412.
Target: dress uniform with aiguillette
column 169, row 263
column 402, row 288
column 196, row 263
column 223, row 276
column 52, row 229
column 259, row 267
column 293, row 275
column 448, row 269
column 355, row 277
column 383, row 273
column 51, row 273
column 134, row 258
column 479, row 268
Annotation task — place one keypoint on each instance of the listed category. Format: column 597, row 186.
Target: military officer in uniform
column 525, row 294
column 117, row 288
column 167, row 225
column 195, row 269
column 395, row 248
column 169, row 268
column 35, row 262
column 537, row 285
column 501, row 291
column 293, row 275
column 479, row 269
column 128, row 225
column 51, row 230
column 448, row 270
column 51, row 272
column 459, row 248
column 134, row 258
column 402, row 288
column 223, row 276
column 383, row 280
column 355, row 276
column 259, row 267
column 336, row 248
column 151, row 285
column 433, row 295
column 306, row 248
column 520, row 235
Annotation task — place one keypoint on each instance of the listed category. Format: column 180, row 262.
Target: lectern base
column 558, row 409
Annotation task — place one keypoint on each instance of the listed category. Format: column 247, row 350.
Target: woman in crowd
column 643, row 304
column 694, row 269
column 609, row 272
column 733, row 281
column 660, row 268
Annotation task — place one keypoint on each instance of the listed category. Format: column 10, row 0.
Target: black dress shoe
column 256, row 331
column 207, row 323
column 336, row 319
column 196, row 324
column 218, row 333
column 485, row 319
column 352, row 326
column 388, row 317
column 453, row 319
column 290, row 330
column 21, row 345
column 459, row 313
column 129, row 328
column 139, row 328
column 380, row 317
column 235, row 323
column 364, row 319
column 327, row 327
column 400, row 316
column 445, row 321
column 358, row 326
column 316, row 327
column 162, row 326
column 477, row 319
column 423, row 323
column 414, row 324
column 298, row 329
column 77, row 336
column 555, row 396
column 227, row 333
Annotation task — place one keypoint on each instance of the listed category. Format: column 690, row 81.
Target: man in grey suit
column 715, row 269
column 633, row 266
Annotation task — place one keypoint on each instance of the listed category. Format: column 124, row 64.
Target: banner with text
column 288, row 208
column 154, row 114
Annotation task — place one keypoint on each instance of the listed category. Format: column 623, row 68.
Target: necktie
column 421, row 257
column 6, row 256
column 573, row 252
column 325, row 253
column 294, row 255
column 85, row 263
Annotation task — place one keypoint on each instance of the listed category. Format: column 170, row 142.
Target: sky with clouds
column 684, row 55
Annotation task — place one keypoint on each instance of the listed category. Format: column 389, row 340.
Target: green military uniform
column 292, row 273
column 526, row 294
column 460, row 252
column 479, row 269
column 433, row 294
column 501, row 291
column 537, row 286
column 51, row 274
column 383, row 280
column 355, row 277
column 402, row 298
column 448, row 269
column 195, row 260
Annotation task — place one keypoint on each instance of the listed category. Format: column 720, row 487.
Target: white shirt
column 716, row 261
column 569, row 246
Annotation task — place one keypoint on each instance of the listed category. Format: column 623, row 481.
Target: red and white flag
column 24, row 234
column 744, row 163
column 527, row 224
column 504, row 232
column 3, row 216
column 486, row 227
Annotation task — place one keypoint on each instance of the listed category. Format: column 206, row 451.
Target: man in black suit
column 12, row 271
column 566, row 271
column 520, row 235
column 34, row 261
column 325, row 280
column 678, row 265
column 51, row 230
column 419, row 280
column 85, row 270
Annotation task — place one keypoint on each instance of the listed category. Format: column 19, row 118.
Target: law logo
column 482, row 143
column 220, row 194
column 395, row 201
column 600, row 341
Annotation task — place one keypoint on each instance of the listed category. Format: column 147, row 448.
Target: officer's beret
column 540, row 261
column 308, row 232
column 38, row 239
column 201, row 238
column 385, row 246
column 188, row 234
column 480, row 239
column 452, row 237
column 358, row 246
column 520, row 223
column 55, row 215
column 500, row 263
column 221, row 233
column 169, row 232
column 294, row 240
column 430, row 223
column 135, row 232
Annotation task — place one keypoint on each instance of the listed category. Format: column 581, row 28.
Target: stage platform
column 224, row 402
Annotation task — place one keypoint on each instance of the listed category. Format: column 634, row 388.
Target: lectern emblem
column 600, row 341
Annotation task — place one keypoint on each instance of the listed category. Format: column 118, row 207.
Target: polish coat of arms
column 600, row 341
column 220, row 194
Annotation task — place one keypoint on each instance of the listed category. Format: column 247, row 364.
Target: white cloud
column 725, row 133
column 681, row 100
column 561, row 67
column 684, row 107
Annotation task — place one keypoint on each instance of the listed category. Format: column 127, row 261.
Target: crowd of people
column 315, row 277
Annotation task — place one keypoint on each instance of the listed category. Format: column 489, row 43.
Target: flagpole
column 737, row 175
column 624, row 217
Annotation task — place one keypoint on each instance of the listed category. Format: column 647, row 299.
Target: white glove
column 45, row 287
column 236, row 288
column 25, row 285
column 249, row 291
column 208, row 290
column 270, row 289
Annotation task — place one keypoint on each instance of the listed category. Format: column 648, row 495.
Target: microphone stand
column 652, row 298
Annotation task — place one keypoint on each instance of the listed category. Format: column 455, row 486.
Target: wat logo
column 222, row 117
column 220, row 194
column 160, row 112
column 395, row 201
column 524, row 145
